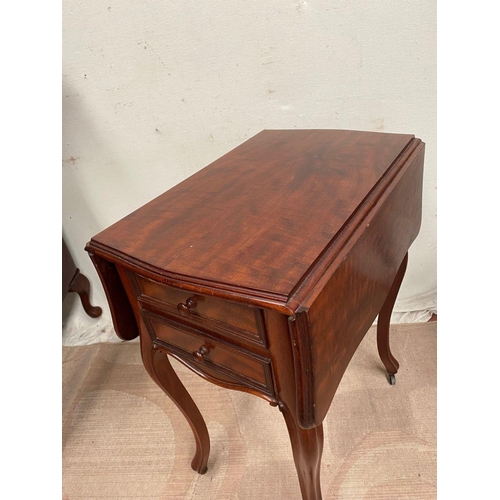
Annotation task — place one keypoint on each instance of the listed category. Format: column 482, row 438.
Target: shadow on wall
column 80, row 144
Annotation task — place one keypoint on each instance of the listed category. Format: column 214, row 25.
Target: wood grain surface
column 259, row 217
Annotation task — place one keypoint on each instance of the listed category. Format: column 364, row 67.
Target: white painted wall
column 155, row 90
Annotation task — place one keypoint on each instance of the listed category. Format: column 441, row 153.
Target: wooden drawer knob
column 202, row 351
column 185, row 309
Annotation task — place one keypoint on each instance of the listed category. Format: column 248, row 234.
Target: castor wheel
column 392, row 379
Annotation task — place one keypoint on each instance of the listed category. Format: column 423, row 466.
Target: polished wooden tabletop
column 260, row 216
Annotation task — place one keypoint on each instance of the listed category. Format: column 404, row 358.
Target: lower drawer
column 197, row 348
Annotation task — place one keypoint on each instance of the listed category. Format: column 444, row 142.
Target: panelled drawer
column 228, row 318
column 200, row 351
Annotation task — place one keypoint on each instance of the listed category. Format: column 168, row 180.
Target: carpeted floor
column 124, row 439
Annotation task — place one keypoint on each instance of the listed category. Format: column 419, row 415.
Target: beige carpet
column 124, row 439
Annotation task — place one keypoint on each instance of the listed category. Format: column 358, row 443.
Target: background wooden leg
column 307, row 447
column 159, row 368
column 384, row 321
column 81, row 285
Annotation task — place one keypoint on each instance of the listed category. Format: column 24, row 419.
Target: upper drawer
column 226, row 317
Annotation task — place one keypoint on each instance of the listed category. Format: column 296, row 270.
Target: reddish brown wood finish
column 281, row 191
column 384, row 322
column 81, row 285
column 159, row 368
column 197, row 346
column 121, row 310
column 363, row 272
column 224, row 315
column 263, row 272
column 307, row 448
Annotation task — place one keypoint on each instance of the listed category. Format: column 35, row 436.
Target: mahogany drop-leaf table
column 263, row 271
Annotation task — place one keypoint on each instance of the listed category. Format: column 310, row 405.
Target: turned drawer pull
column 185, row 309
column 201, row 352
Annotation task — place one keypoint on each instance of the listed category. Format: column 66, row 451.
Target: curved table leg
column 384, row 321
column 307, row 447
column 81, row 285
column 159, row 368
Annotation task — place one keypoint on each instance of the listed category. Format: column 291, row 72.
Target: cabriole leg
column 159, row 368
column 81, row 285
column 384, row 321
column 307, row 447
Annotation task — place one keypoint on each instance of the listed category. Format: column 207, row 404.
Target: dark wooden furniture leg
column 81, row 285
column 159, row 368
column 384, row 321
column 307, row 448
